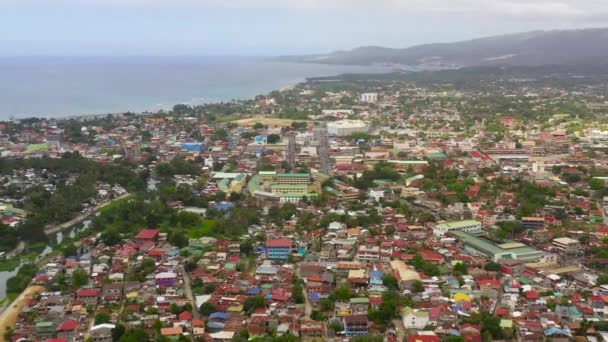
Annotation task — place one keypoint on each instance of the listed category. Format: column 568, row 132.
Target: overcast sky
column 270, row 27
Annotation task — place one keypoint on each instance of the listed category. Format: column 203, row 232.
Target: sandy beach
column 9, row 316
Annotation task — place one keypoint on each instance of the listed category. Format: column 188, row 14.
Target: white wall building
column 369, row 97
column 414, row 319
column 344, row 128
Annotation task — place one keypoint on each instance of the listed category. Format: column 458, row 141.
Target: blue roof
column 192, row 147
column 254, row 291
column 376, row 274
column 219, row 315
column 268, row 296
column 215, row 325
column 314, row 296
column 557, row 331
column 457, row 308
column 223, row 206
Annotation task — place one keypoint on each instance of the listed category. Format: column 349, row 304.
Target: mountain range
column 557, row 47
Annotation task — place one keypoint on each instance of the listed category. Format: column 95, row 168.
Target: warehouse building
column 495, row 252
column 470, row 226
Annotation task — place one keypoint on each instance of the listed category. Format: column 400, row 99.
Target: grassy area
column 10, row 264
column 11, row 296
column 206, row 229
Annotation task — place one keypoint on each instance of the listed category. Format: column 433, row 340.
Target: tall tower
column 324, row 157
column 291, row 149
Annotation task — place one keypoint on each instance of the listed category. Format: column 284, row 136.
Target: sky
column 270, row 27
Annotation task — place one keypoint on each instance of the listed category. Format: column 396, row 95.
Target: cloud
column 516, row 8
column 569, row 9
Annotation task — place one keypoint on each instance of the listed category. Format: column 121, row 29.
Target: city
column 331, row 210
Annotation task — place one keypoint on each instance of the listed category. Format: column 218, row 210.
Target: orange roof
column 353, row 231
column 171, row 331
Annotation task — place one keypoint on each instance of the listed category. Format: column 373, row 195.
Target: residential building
column 566, row 245
column 101, row 333
column 355, row 325
column 414, row 319
column 278, row 249
column 533, row 222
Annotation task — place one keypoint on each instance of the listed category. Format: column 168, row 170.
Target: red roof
column 87, row 293
column 156, row 252
column 315, row 279
column 489, row 283
column 69, row 325
column 148, row 234
column 502, row 312
column 423, row 338
column 278, row 243
column 531, row 295
column 185, row 316
column 430, row 255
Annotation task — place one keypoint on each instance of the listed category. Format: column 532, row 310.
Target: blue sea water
column 64, row 86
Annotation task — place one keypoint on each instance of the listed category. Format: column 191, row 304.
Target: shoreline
column 159, row 109
column 9, row 316
column 239, row 87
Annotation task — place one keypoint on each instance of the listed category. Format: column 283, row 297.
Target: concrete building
column 289, row 188
column 267, row 176
column 101, row 333
column 369, row 97
column 406, row 276
column 344, row 128
column 293, row 178
column 533, row 222
column 368, row 254
column 566, row 245
column 295, row 197
column 355, row 325
column 414, row 319
column 468, row 226
column 278, row 249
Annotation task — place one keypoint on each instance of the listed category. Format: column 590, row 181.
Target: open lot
column 268, row 121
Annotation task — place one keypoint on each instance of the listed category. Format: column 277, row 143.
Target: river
column 55, row 240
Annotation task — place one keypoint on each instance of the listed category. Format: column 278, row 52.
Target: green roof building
column 496, row 252
column 465, row 225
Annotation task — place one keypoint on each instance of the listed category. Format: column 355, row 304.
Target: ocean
column 67, row 86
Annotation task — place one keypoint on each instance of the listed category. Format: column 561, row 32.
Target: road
column 188, row 289
column 401, row 333
column 15, row 252
column 604, row 216
column 498, row 300
column 59, row 227
column 307, row 304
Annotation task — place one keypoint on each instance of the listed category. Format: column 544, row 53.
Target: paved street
column 189, row 294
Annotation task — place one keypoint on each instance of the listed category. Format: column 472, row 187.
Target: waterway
column 54, row 240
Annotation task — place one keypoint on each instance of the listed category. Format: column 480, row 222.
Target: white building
column 465, row 226
column 414, row 319
column 369, row 97
column 344, row 128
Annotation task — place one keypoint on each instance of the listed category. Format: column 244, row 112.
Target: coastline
column 89, row 87
column 8, row 317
